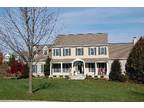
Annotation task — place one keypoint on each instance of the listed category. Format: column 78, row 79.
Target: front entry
column 78, row 67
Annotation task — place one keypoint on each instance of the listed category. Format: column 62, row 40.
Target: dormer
column 35, row 50
column 45, row 50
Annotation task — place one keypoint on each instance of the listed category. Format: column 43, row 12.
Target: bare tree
column 23, row 28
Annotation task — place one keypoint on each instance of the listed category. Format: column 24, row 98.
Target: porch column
column 72, row 69
column 84, row 68
column 96, row 71
column 61, row 67
column 107, row 66
column 50, row 69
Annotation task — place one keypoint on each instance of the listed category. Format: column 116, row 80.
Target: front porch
column 79, row 67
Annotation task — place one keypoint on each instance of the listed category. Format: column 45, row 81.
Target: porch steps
column 77, row 77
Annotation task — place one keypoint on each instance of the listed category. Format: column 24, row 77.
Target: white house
column 82, row 54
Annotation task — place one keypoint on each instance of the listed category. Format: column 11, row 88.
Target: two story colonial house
column 80, row 55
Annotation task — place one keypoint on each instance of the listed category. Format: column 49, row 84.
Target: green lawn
column 71, row 90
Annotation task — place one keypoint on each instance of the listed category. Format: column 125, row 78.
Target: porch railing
column 102, row 71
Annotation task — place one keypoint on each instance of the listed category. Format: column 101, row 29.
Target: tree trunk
column 30, row 78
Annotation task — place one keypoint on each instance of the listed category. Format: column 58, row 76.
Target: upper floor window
column 102, row 51
column 91, row 51
column 57, row 52
column 79, row 52
column 45, row 52
column 66, row 52
column 34, row 52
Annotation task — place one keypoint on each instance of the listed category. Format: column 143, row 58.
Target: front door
column 80, row 69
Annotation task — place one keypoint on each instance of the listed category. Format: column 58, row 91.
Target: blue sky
column 121, row 24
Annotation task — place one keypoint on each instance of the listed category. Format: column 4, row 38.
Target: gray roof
column 81, row 39
column 120, row 50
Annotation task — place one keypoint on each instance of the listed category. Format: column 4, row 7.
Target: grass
column 71, row 90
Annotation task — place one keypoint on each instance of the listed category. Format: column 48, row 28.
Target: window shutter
column 69, row 51
column 88, row 51
column 60, row 52
column 95, row 50
column 53, row 52
column 63, row 52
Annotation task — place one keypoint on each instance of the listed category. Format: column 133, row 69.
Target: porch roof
column 87, row 60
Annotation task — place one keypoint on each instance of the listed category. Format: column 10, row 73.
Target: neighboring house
column 6, row 58
column 1, row 57
column 41, row 53
column 79, row 55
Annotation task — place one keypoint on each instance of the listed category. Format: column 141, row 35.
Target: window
column 91, row 51
column 34, row 68
column 45, row 52
column 42, row 68
column 79, row 51
column 91, row 67
column 66, row 52
column 102, row 51
column 57, row 52
column 56, row 68
column 66, row 67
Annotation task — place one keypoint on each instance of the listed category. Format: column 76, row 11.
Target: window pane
column 79, row 51
column 66, row 52
column 42, row 68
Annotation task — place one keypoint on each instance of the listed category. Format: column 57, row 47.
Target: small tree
column 1, row 58
column 11, row 59
column 23, row 28
column 135, row 62
column 26, row 71
column 47, row 67
column 115, row 73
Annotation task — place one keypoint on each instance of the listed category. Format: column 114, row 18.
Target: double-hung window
column 79, row 52
column 34, row 68
column 45, row 52
column 66, row 52
column 57, row 52
column 91, row 51
column 102, row 51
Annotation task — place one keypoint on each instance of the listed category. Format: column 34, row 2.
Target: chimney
column 135, row 40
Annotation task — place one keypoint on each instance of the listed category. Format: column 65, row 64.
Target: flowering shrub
column 17, row 69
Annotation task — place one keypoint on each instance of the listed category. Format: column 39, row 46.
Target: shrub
column 95, row 77
column 17, row 69
column 61, row 76
column 123, row 78
column 102, row 77
column 116, row 74
column 89, row 77
column 67, row 77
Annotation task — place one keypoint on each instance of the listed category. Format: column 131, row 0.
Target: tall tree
column 135, row 62
column 23, row 28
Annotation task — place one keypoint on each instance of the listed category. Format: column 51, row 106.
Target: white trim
column 61, row 67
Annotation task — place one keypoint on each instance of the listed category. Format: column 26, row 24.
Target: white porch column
column 50, row 69
column 61, row 67
column 107, row 66
column 72, row 69
column 84, row 68
column 96, row 70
